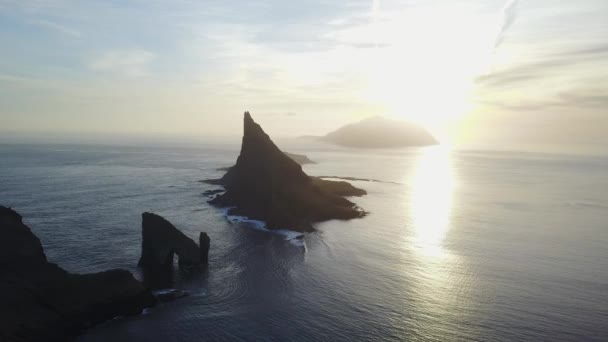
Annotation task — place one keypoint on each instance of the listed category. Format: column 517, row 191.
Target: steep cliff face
column 265, row 184
column 161, row 241
column 40, row 301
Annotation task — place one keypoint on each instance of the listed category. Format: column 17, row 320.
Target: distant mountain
column 380, row 132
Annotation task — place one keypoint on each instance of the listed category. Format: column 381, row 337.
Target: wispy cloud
column 509, row 12
column 549, row 64
column 49, row 25
column 577, row 99
column 514, row 76
column 134, row 62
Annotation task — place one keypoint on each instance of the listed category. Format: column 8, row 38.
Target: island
column 161, row 241
column 40, row 301
column 266, row 185
column 380, row 132
column 300, row 158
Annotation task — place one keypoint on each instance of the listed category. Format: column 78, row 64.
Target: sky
column 504, row 73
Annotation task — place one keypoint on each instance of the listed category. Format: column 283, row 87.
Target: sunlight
column 425, row 62
column 432, row 200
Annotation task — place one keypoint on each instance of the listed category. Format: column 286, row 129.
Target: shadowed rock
column 298, row 158
column 265, row 184
column 204, row 242
column 161, row 241
column 40, row 301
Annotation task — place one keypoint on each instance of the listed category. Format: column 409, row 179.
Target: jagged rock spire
column 267, row 185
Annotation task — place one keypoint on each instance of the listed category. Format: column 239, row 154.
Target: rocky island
column 380, row 132
column 40, row 301
column 266, row 185
column 161, row 241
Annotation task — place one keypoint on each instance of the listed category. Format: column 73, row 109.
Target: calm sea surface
column 458, row 246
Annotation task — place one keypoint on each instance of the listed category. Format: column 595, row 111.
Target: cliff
column 40, row 301
column 265, row 184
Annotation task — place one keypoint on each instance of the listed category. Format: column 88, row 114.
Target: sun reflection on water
column 431, row 200
column 435, row 275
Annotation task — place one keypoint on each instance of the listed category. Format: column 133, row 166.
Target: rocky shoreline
column 40, row 301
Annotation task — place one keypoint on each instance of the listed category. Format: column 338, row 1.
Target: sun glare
column 425, row 62
column 432, row 200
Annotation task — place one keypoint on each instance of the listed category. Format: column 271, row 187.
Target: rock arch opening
column 161, row 241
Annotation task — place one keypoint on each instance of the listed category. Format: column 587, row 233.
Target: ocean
column 459, row 245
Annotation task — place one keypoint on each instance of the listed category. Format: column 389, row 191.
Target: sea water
column 457, row 246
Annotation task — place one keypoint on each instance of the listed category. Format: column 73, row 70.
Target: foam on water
column 164, row 292
column 295, row 238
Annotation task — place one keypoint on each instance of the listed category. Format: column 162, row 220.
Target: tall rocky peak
column 261, row 161
column 267, row 185
column 251, row 128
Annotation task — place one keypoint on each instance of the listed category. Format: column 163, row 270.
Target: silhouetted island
column 161, row 240
column 40, row 301
column 380, row 132
column 267, row 185
column 300, row 158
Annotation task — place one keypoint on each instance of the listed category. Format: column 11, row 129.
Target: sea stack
column 161, row 241
column 267, row 185
column 40, row 301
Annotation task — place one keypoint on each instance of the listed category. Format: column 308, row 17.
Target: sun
column 425, row 62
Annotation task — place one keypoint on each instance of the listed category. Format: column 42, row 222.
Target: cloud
column 589, row 52
column 509, row 12
column 582, row 98
column 520, row 74
column 586, row 98
column 338, row 22
column 133, row 62
column 45, row 24
column 548, row 64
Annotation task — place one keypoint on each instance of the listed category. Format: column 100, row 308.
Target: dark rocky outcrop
column 298, row 158
column 204, row 242
column 339, row 188
column 265, row 184
column 161, row 241
column 40, row 301
column 379, row 132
